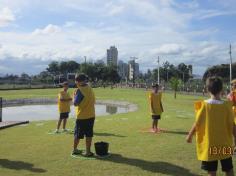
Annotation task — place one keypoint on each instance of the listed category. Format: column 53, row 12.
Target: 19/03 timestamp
column 221, row 150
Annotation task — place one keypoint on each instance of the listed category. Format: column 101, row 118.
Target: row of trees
column 95, row 71
column 220, row 70
column 168, row 71
column 99, row 72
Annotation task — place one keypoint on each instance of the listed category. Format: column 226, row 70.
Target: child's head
column 65, row 85
column 214, row 85
column 80, row 79
column 155, row 87
column 233, row 84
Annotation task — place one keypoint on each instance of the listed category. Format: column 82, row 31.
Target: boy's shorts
column 64, row 115
column 211, row 166
column 84, row 128
column 156, row 117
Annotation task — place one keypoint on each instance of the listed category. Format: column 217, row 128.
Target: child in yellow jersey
column 155, row 107
column 232, row 97
column 215, row 129
column 64, row 100
column 84, row 101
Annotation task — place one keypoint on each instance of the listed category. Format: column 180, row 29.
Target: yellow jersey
column 64, row 106
column 233, row 99
column 214, row 130
column 85, row 109
column 155, row 103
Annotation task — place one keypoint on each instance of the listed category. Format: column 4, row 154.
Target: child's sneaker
column 65, row 130
column 56, row 131
column 76, row 152
column 90, row 154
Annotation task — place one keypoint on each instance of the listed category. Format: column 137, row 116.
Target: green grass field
column 29, row 150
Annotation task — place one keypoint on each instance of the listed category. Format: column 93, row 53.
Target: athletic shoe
column 90, row 154
column 76, row 152
column 65, row 130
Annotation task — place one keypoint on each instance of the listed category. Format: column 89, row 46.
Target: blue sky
column 35, row 32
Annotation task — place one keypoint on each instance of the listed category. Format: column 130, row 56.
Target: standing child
column 64, row 100
column 214, row 128
column 232, row 97
column 84, row 101
column 155, row 107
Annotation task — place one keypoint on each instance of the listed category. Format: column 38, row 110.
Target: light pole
column 158, row 69
column 230, row 66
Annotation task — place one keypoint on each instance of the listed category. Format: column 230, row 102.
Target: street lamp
column 158, row 68
column 230, row 66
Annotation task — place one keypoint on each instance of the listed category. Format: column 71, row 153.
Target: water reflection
column 111, row 109
column 50, row 112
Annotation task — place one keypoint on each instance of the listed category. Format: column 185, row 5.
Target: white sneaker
column 65, row 130
column 56, row 131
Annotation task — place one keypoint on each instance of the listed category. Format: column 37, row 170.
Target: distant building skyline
column 133, row 69
column 123, row 70
column 112, row 56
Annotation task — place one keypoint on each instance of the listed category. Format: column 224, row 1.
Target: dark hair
column 65, row 83
column 155, row 85
column 214, row 85
column 81, row 77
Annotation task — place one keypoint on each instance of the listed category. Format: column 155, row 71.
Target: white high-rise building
column 133, row 69
column 112, row 56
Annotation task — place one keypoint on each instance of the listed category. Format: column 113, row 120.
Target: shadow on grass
column 108, row 134
column 155, row 167
column 175, row 132
column 20, row 165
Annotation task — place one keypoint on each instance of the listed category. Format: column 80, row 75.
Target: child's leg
column 210, row 167
column 154, row 124
column 211, row 173
column 59, row 124
column 76, row 134
column 76, row 143
column 88, row 144
column 64, row 123
column 227, row 166
column 230, row 173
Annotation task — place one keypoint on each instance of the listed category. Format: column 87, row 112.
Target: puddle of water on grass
column 50, row 112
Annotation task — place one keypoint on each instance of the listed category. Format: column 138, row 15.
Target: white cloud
column 205, row 14
column 143, row 29
column 114, row 9
column 6, row 16
column 169, row 49
column 49, row 29
column 69, row 24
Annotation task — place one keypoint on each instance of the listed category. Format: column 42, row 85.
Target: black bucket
column 101, row 148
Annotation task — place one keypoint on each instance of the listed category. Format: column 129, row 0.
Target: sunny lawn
column 30, row 150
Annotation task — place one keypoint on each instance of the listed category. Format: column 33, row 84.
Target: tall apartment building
column 123, row 70
column 112, row 56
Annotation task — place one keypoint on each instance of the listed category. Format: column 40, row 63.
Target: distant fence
column 27, row 101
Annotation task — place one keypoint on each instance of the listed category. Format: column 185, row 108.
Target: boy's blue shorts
column 211, row 166
column 64, row 115
column 156, row 117
column 84, row 127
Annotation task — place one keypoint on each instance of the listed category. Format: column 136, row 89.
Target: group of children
column 214, row 126
column 84, row 102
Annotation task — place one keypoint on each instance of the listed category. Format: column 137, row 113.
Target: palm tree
column 175, row 83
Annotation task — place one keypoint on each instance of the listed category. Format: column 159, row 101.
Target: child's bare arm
column 191, row 133
column 162, row 109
